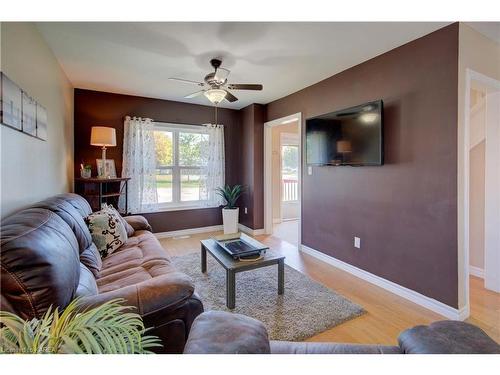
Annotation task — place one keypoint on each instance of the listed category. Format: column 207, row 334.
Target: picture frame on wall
column 41, row 122
column 11, row 97
column 29, row 115
column 109, row 171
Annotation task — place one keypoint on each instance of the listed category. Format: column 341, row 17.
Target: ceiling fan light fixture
column 215, row 95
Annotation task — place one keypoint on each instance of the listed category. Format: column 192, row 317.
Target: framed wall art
column 41, row 122
column 29, row 114
column 11, row 98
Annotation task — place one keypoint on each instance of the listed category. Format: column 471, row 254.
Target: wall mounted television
column 349, row 137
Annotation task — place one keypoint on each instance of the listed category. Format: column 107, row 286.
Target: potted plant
column 230, row 212
column 85, row 170
column 106, row 329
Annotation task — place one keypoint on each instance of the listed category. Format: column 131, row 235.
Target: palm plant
column 230, row 194
column 106, row 329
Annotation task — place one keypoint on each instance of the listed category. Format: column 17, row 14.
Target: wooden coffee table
column 233, row 266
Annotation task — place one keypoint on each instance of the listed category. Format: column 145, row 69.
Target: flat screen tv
column 352, row 136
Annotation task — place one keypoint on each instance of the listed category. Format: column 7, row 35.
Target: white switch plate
column 357, row 242
column 309, row 170
column 246, row 210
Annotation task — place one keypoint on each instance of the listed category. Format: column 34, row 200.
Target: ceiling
column 138, row 58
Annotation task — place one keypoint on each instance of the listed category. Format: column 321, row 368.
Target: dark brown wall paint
column 252, row 167
column 405, row 211
column 106, row 109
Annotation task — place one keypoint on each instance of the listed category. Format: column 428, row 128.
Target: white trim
column 250, row 231
column 277, row 221
column 463, row 200
column 187, row 232
column 268, row 211
column 424, row 301
column 476, row 271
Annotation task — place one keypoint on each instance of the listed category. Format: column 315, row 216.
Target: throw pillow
column 108, row 232
column 128, row 227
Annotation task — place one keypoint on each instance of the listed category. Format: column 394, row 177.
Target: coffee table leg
column 281, row 276
column 230, row 289
column 203, row 259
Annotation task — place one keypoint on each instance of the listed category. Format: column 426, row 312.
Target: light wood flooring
column 387, row 314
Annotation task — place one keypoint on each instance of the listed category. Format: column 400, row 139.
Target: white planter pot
column 230, row 220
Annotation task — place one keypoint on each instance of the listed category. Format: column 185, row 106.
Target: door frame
column 470, row 77
column 268, row 195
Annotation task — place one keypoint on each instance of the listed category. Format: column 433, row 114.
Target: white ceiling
column 138, row 58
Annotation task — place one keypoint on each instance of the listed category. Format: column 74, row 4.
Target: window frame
column 177, row 203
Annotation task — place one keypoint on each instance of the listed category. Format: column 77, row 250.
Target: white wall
column 32, row 169
column 481, row 54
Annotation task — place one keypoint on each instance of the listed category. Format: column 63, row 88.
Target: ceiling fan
column 215, row 85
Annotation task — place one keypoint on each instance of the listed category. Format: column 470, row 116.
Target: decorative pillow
column 111, row 209
column 108, row 232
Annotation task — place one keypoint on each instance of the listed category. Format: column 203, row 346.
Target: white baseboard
column 187, row 232
column 252, row 232
column 411, row 295
column 476, row 271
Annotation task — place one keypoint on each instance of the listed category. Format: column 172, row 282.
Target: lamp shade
column 103, row 136
column 215, row 95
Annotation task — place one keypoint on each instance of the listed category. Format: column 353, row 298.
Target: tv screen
column 352, row 136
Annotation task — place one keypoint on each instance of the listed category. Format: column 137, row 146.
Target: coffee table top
column 227, row 261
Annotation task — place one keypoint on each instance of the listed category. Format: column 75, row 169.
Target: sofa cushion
column 128, row 228
column 39, row 261
column 219, row 332
column 447, row 337
column 72, row 208
column 87, row 285
column 107, row 231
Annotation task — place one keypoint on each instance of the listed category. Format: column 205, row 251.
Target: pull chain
column 215, row 114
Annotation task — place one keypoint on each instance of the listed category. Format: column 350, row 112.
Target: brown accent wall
column 94, row 108
column 405, row 212
column 252, row 166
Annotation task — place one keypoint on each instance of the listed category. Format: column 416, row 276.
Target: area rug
column 305, row 309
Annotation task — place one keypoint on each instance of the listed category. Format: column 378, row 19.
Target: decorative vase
column 230, row 220
column 85, row 173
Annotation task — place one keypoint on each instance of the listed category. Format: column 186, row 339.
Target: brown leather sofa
column 48, row 258
column 218, row 332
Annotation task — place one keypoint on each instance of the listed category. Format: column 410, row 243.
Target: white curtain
column 139, row 163
column 213, row 173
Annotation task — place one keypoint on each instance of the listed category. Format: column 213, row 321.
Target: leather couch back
column 40, row 264
column 72, row 208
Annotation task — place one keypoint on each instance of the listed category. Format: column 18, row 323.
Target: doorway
column 482, row 201
column 282, row 178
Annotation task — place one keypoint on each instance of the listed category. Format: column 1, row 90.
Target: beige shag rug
column 307, row 308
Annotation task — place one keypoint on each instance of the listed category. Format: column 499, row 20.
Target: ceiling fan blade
column 244, row 86
column 186, row 81
column 230, row 97
column 194, row 94
column 221, row 74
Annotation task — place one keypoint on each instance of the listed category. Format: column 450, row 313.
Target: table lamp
column 105, row 137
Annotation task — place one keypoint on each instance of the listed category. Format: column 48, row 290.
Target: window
column 180, row 158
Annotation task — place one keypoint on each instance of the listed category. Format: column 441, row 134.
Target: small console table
column 103, row 190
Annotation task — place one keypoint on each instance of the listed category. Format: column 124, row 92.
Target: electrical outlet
column 357, row 242
column 309, row 170
column 246, row 210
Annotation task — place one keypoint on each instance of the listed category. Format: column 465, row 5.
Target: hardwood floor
column 387, row 314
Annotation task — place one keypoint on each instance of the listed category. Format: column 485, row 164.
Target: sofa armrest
column 138, row 222
column 447, row 337
column 147, row 297
column 218, row 332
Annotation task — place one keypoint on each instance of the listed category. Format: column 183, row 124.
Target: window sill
column 180, row 208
